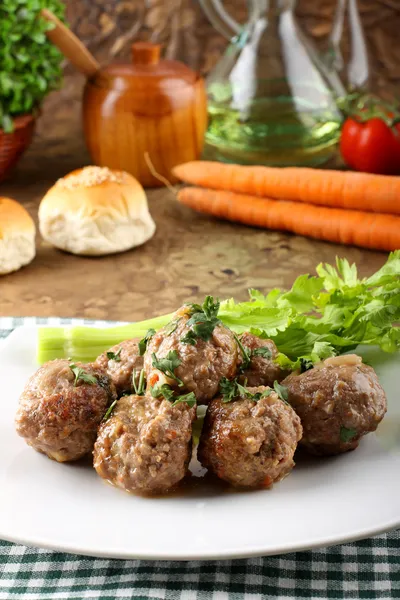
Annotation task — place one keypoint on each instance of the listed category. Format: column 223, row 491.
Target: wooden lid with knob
column 147, row 65
column 145, row 53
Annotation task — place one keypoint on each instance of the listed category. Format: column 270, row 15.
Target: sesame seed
column 90, row 176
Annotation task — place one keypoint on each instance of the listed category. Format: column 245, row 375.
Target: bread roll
column 17, row 236
column 95, row 211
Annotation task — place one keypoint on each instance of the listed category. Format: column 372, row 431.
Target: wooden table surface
column 190, row 256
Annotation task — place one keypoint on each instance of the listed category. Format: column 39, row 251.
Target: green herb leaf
column 201, row 328
column 205, row 330
column 194, row 308
column 189, row 338
column 246, row 355
column 346, row 434
column 116, row 356
column 259, row 395
column 211, row 308
column 144, row 341
column 168, row 365
column 168, row 393
column 171, row 327
column 243, row 392
column 164, row 390
column 139, row 387
column 202, row 322
column 305, row 364
column 228, row 389
column 189, row 398
column 109, row 410
column 281, row 390
column 264, row 351
column 82, row 375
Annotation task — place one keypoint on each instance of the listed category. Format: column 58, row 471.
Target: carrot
column 376, row 231
column 339, row 189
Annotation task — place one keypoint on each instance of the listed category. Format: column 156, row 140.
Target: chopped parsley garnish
column 189, row 398
column 246, row 355
column 140, row 385
column 171, row 327
column 201, row 329
column 306, row 364
column 109, row 410
column 228, row 389
column 144, row 341
column 168, row 365
column 189, row 338
column 163, row 390
column 281, row 390
column 211, row 308
column 245, row 393
column 264, row 351
column 114, row 355
column 82, row 375
column 168, row 393
column 202, row 322
column 346, row 434
column 233, row 389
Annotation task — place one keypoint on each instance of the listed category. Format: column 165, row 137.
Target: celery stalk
column 81, row 343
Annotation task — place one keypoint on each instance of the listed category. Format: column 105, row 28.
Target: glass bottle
column 271, row 98
column 347, row 30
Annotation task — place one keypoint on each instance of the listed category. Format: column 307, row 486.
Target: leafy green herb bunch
column 30, row 65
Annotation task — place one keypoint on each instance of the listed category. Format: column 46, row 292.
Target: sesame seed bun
column 95, row 211
column 17, row 236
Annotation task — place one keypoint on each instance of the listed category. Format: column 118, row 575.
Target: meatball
column 59, row 413
column 262, row 369
column 202, row 364
column 146, row 444
column 248, row 443
column 338, row 402
column 120, row 368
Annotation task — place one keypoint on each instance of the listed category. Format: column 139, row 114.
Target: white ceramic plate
column 68, row 507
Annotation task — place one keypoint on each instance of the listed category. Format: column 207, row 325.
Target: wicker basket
column 12, row 145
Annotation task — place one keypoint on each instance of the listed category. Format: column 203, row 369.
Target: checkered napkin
column 369, row 569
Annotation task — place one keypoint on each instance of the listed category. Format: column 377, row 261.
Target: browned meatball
column 120, row 369
column 248, row 443
column 202, row 364
column 145, row 446
column 338, row 402
column 59, row 418
column 262, row 369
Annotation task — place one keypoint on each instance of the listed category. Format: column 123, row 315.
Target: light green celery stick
column 84, row 344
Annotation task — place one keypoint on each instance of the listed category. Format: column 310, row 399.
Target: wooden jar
column 151, row 106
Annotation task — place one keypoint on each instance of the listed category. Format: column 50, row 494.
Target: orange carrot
column 352, row 227
column 338, row 189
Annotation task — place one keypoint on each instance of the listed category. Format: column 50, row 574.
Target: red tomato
column 371, row 146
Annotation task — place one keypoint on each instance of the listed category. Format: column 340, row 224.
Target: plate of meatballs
column 193, row 443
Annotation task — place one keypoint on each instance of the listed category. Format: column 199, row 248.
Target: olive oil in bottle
column 272, row 98
column 278, row 130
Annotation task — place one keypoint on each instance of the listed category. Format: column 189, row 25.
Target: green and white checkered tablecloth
column 366, row 569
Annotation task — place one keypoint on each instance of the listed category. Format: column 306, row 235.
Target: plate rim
column 227, row 555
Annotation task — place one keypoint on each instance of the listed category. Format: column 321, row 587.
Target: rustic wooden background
column 223, row 259
column 108, row 27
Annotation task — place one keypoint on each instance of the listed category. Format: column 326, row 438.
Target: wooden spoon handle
column 70, row 45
